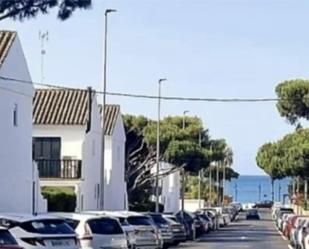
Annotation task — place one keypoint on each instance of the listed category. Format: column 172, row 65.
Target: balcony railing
column 59, row 169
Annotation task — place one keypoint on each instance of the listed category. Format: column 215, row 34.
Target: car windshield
column 48, row 226
column 6, row 238
column 139, row 221
column 105, row 226
column 158, row 219
column 123, row 221
column 252, row 212
column 72, row 223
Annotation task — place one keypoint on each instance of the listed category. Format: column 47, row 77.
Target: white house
column 169, row 187
column 66, row 142
column 19, row 187
column 67, row 146
column 115, row 193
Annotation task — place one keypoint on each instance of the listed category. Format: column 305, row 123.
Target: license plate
column 61, row 243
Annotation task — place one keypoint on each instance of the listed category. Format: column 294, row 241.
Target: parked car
column 279, row 216
column 289, row 225
column 212, row 214
column 237, row 205
column 163, row 226
column 7, row 241
column 180, row 221
column 178, row 230
column 126, row 227
column 295, row 230
column 252, row 214
column 195, row 225
column 96, row 231
column 147, row 235
column 216, row 216
column 207, row 222
column 41, row 231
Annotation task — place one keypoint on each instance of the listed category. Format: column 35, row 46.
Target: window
column 46, row 148
column 139, row 221
column 15, row 115
column 105, row 226
column 50, row 226
column 6, row 238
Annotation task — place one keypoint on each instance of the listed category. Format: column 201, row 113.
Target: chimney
column 89, row 90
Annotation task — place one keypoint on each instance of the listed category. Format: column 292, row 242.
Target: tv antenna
column 43, row 36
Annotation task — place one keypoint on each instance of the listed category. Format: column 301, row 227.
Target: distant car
column 7, row 241
column 264, row 204
column 40, row 231
column 252, row 214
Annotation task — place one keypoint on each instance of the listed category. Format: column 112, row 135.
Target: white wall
column 16, row 142
column 170, row 190
column 78, row 144
column 115, row 195
column 72, row 137
column 91, row 154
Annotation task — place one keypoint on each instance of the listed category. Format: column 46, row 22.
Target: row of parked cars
column 293, row 227
column 108, row 230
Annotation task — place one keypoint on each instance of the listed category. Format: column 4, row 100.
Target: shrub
column 59, row 199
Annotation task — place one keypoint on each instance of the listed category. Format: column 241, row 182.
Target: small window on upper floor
column 15, row 115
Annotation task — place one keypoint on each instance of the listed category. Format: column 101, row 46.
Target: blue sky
column 231, row 48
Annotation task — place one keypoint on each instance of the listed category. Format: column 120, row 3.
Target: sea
column 249, row 189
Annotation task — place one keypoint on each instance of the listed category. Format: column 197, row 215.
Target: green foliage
column 147, row 206
column 286, row 157
column 180, row 145
column 293, row 101
column 187, row 153
column 60, row 199
column 23, row 9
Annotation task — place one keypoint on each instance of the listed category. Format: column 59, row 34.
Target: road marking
column 243, row 238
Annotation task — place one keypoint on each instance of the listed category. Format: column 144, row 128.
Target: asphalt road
column 260, row 234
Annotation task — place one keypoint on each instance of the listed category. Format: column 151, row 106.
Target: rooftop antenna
column 43, row 36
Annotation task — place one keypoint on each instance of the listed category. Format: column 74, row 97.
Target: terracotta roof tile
column 68, row 107
column 6, row 40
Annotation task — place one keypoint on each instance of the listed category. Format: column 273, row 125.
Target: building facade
column 19, row 173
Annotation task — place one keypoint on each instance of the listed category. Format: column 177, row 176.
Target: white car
column 40, row 231
column 147, row 236
column 96, row 231
column 127, row 228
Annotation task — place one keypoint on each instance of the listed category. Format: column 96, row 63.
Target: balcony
column 59, row 169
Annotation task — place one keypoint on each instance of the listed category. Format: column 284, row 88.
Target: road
column 260, row 234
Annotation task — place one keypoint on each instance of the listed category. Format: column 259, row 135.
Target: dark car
column 7, row 241
column 178, row 229
column 252, row 214
column 193, row 224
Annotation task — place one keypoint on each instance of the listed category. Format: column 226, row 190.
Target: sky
column 205, row 48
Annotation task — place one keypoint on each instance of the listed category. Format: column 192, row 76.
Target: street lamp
column 107, row 11
column 183, row 170
column 158, row 145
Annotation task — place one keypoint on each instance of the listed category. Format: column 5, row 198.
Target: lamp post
column 158, row 145
column 183, row 170
column 200, row 173
column 107, row 11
